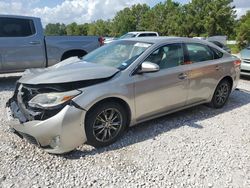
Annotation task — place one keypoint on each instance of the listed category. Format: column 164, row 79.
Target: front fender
column 94, row 94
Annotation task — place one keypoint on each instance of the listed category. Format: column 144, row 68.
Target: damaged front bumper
column 58, row 134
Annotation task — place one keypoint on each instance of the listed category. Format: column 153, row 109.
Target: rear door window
column 199, row 52
column 16, row 27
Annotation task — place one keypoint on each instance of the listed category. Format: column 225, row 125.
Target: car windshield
column 127, row 36
column 118, row 54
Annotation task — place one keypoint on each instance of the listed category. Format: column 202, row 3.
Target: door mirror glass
column 148, row 67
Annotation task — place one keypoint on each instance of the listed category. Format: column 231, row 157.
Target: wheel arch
column 228, row 78
column 122, row 102
column 73, row 52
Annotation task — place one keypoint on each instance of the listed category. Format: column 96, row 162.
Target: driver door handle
column 35, row 42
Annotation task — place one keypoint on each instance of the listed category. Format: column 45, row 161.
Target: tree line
column 169, row 18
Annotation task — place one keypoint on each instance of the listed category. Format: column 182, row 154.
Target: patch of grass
column 234, row 48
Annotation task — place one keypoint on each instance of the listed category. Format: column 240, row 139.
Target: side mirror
column 148, row 67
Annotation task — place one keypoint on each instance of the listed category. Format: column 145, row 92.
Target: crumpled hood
column 69, row 70
column 245, row 53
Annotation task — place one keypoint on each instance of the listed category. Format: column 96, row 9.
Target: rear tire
column 221, row 94
column 105, row 123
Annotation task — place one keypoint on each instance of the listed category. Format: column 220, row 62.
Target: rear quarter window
column 16, row 27
column 217, row 53
column 199, row 52
column 218, row 44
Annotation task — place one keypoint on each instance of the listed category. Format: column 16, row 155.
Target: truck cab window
column 16, row 27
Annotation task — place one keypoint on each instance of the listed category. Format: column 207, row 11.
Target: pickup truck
column 23, row 44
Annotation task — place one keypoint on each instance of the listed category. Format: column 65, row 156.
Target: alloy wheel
column 222, row 94
column 107, row 125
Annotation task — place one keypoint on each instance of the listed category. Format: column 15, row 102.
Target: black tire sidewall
column 90, row 119
column 213, row 102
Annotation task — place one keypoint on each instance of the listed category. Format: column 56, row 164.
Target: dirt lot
column 198, row 147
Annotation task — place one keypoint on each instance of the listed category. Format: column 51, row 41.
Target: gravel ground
column 198, row 147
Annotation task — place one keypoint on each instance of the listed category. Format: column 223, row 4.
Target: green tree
column 243, row 31
column 73, row 29
column 55, row 29
column 83, row 29
column 123, row 22
column 209, row 17
column 154, row 19
column 138, row 13
column 196, row 18
column 173, row 18
column 165, row 18
column 129, row 19
column 100, row 27
column 220, row 18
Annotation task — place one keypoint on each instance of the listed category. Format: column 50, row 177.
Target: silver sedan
column 245, row 59
column 94, row 99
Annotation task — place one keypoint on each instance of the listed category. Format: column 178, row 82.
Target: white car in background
column 139, row 34
column 134, row 34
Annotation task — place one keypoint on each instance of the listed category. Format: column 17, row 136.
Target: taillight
column 237, row 63
column 101, row 41
column 187, row 62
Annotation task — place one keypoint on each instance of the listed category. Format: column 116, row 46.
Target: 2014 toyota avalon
column 94, row 99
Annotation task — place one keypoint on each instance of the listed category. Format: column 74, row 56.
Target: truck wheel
column 221, row 94
column 105, row 123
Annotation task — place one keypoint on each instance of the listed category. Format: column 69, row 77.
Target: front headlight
column 50, row 100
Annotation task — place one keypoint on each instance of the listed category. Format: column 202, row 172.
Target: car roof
column 160, row 40
column 137, row 32
column 17, row 16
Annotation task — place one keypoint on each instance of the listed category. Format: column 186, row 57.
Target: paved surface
column 198, row 147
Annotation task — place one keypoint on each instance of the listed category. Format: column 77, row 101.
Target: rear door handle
column 182, row 76
column 35, row 42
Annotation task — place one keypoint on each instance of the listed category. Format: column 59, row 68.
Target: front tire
column 105, row 123
column 221, row 94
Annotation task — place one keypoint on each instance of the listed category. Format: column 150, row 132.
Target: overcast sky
column 81, row 11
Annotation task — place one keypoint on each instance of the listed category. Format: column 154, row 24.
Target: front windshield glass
column 127, row 36
column 118, row 54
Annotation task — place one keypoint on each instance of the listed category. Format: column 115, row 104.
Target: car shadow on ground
column 7, row 83
column 151, row 129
